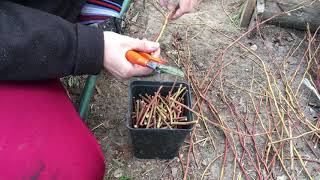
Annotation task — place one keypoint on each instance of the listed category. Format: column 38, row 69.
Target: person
column 42, row 136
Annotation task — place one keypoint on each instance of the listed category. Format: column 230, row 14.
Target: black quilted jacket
column 39, row 40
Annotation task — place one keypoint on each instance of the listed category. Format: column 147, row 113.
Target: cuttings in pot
column 161, row 112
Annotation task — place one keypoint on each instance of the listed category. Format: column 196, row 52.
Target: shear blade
column 170, row 70
column 165, row 69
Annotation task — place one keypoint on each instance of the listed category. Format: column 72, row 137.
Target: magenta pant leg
column 42, row 136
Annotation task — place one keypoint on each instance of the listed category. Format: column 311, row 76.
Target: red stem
column 225, row 153
column 188, row 156
column 237, row 116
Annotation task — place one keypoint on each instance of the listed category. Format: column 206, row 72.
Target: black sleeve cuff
column 90, row 51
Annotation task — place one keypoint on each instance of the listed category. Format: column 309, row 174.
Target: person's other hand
column 184, row 6
column 115, row 48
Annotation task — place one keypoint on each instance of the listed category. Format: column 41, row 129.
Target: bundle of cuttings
column 161, row 112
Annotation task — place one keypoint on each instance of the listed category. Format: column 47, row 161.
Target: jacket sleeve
column 36, row 45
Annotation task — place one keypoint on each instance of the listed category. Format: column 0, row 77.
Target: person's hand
column 184, row 6
column 115, row 48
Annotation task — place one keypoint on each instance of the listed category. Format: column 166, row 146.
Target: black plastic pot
column 157, row 143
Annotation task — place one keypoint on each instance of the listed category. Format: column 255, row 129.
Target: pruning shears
column 155, row 63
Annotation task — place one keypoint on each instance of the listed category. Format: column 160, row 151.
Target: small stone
column 118, row 173
column 313, row 113
column 205, row 162
column 200, row 65
column 135, row 18
column 282, row 177
column 254, row 47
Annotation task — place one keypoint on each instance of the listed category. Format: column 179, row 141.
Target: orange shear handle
column 136, row 58
column 152, row 58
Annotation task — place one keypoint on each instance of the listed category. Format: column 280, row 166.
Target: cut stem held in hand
column 155, row 63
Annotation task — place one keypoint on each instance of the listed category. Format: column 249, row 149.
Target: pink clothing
column 42, row 136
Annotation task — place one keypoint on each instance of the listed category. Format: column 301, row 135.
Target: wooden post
column 246, row 15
